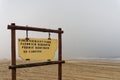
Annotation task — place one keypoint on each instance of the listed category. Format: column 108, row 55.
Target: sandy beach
column 72, row 70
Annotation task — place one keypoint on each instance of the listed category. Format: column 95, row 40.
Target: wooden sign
column 37, row 48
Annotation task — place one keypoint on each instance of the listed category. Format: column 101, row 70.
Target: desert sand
column 72, row 70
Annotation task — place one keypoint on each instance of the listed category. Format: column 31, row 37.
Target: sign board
column 37, row 48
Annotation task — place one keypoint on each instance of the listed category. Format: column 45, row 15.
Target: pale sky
column 91, row 27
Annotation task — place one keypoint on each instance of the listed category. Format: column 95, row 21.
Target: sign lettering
column 37, row 48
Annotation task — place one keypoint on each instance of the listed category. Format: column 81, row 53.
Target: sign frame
column 13, row 29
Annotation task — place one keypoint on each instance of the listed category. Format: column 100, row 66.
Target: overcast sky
column 91, row 27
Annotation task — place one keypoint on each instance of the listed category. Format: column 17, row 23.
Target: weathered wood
column 13, row 28
column 35, row 64
column 33, row 29
column 13, row 52
column 59, row 54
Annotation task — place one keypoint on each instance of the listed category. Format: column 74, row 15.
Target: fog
column 91, row 27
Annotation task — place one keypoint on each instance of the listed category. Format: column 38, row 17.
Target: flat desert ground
column 72, row 70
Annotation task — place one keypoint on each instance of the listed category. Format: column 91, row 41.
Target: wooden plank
column 16, row 27
column 35, row 64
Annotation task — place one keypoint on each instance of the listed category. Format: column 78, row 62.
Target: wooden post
column 13, row 52
column 60, row 54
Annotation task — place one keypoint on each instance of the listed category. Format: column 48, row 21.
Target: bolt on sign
column 37, row 48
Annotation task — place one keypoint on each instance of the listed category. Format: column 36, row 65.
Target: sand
column 72, row 70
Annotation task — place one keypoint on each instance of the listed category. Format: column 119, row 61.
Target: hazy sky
column 91, row 27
